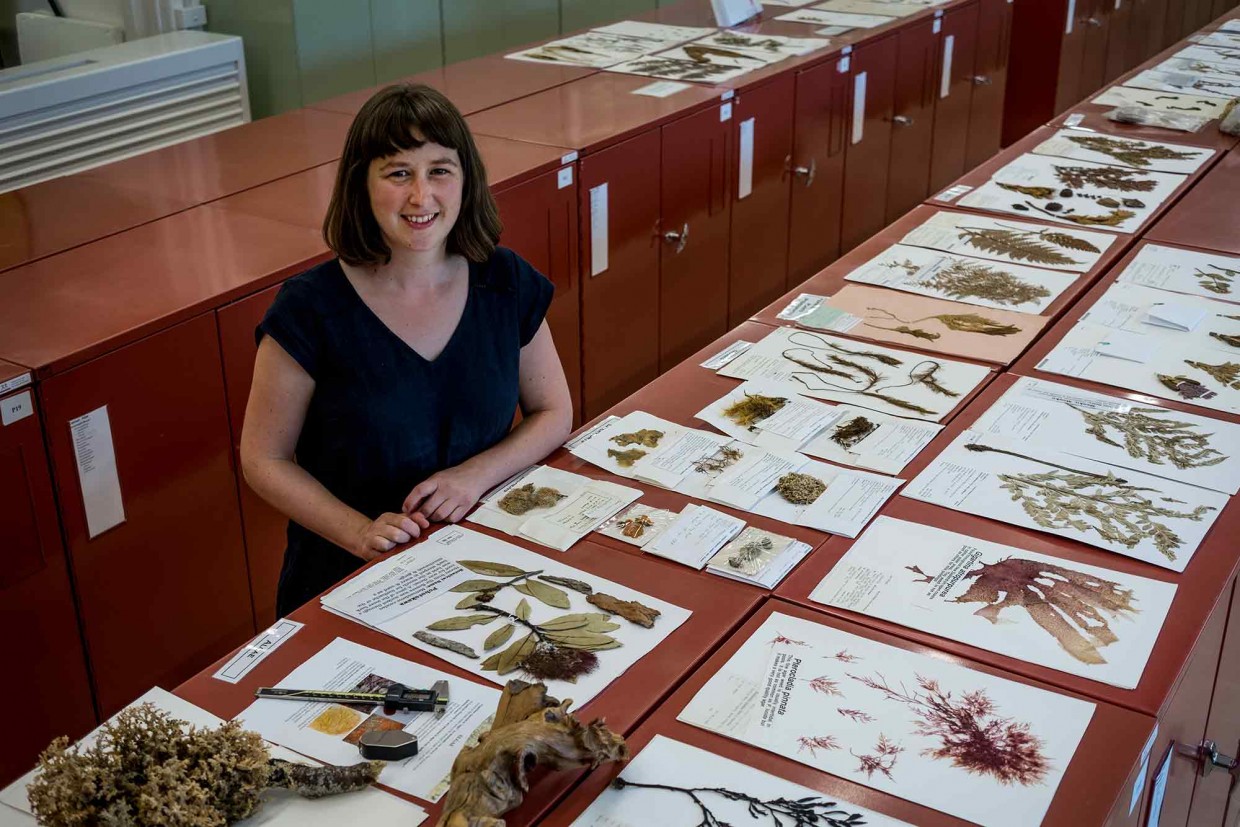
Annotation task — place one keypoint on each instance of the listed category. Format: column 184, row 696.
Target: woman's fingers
column 419, row 493
column 458, row 514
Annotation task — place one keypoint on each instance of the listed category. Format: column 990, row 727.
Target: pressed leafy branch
column 1110, row 178
column 1135, row 153
column 1220, row 282
column 1041, row 193
column 962, row 279
column 560, row 649
column 1017, row 245
column 1227, row 373
column 1150, row 434
column 809, row 811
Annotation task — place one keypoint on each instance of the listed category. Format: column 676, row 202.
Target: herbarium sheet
column 1165, row 320
column 1189, row 83
column 820, row 17
column 609, row 45
column 1125, row 152
column 1117, row 509
column 1185, row 271
column 1011, row 241
column 1179, row 446
column 857, row 373
column 1080, row 619
column 1204, row 105
column 501, row 612
column 966, row 743
column 672, row 784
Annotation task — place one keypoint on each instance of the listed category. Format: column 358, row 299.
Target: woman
column 387, row 378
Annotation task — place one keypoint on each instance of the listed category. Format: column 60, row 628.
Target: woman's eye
column 400, row 173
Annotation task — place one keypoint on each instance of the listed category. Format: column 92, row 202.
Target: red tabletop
column 1206, row 216
column 718, row 607
column 1099, row 776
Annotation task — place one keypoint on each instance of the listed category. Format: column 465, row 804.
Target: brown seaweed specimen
column 976, row 280
column 959, row 322
column 1135, row 153
column 754, row 408
column 646, row 436
column 1035, row 247
column 630, row 610
column 852, row 432
column 718, row 461
column 522, row 500
column 625, row 459
column 800, row 489
column 1109, row 178
column 635, row 526
column 1152, row 435
column 1227, row 373
column 1186, row 387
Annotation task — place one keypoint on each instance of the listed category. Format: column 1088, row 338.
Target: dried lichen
column 522, row 500
column 754, row 408
column 800, row 489
column 625, row 459
column 1109, row 178
column 646, row 436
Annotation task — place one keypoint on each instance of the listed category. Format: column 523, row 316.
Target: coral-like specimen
column 962, row 279
column 1135, row 153
column 646, row 436
column 1186, row 386
column 1152, row 435
column 882, row 760
column 1227, row 373
column 1109, row 178
column 525, row 499
column 1219, row 282
column 630, row 610
column 852, row 432
column 625, row 459
column 809, row 811
column 970, row 732
column 549, row 662
column 800, row 489
column 754, row 408
column 147, row 769
column 813, row 743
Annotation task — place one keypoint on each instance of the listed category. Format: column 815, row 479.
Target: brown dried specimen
column 825, row 686
column 1186, row 387
column 148, row 768
column 445, row 643
column 635, row 526
column 1025, row 245
column 1220, row 282
column 646, row 436
column 630, row 610
column 1109, row 178
column 856, row 715
column 568, row 583
column 853, row 431
column 800, row 489
column 1227, row 339
column 625, row 459
column 718, row 461
column 522, row 500
column 843, row 656
column 1227, row 373
column 924, row 374
column 753, row 409
column 1074, row 608
column 1136, row 153
column 882, row 760
column 1042, row 193
column 530, row 729
column 976, row 280
column 923, row 578
column 813, row 743
column 1154, row 435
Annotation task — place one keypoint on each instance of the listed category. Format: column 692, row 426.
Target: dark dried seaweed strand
column 809, row 811
column 868, row 373
column 884, row 358
column 1133, row 153
column 926, row 378
column 818, row 367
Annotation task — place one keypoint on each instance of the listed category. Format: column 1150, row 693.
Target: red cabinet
column 868, row 154
column 821, row 134
column 990, row 81
column 953, row 93
column 48, row 686
column 1068, row 81
column 1119, row 41
column 762, row 141
column 1214, row 799
column 1148, row 30
column 1097, row 28
column 165, row 592
column 916, row 86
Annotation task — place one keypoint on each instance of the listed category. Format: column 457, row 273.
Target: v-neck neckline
column 377, row 319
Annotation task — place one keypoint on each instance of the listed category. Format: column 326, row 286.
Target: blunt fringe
column 384, row 126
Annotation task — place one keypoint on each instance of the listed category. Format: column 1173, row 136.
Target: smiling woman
column 386, row 379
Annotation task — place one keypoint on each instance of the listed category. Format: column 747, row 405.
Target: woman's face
column 416, row 196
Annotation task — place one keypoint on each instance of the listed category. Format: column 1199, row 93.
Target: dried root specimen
column 1220, row 282
column 852, row 432
column 970, row 732
column 1150, row 435
column 1186, row 387
column 525, row 499
column 800, row 489
column 646, row 436
column 754, row 408
column 809, row 811
column 530, row 729
column 882, row 760
column 630, row 610
column 148, row 768
column 976, row 280
column 1227, row 373
column 625, row 459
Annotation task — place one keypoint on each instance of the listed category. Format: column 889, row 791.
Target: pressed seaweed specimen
column 780, row 640
column 1041, row 193
column 813, row 743
column 843, row 656
column 977, row 280
column 881, row 760
column 1109, row 178
column 1226, row 338
column 700, row 53
column 717, row 462
column 1133, row 153
column 825, row 686
column 754, row 408
column 1150, row 435
column 809, row 811
column 646, row 436
column 677, row 68
column 625, row 459
column 522, row 500
column 800, row 489
column 1220, row 282
column 856, row 715
column 1086, row 501
column 852, row 432
column 1113, row 218
column 971, row 733
column 1021, row 245
column 1186, row 387
column 1073, row 607
column 959, row 322
column 1227, row 373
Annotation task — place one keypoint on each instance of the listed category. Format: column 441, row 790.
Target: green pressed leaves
column 556, row 598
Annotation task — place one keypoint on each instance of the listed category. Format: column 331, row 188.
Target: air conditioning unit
column 91, row 108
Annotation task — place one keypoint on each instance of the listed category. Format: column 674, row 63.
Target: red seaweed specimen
column 883, row 759
column 856, row 715
column 826, row 686
column 817, row 742
column 843, row 657
column 787, row 641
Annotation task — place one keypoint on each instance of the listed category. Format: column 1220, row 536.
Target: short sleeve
column 534, row 293
column 294, row 325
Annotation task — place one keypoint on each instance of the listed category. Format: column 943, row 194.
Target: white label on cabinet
column 725, row 112
column 14, row 383
column 16, row 407
column 858, row 113
column 945, row 82
column 1139, row 785
column 661, row 88
column 565, row 178
column 842, row 66
column 744, row 181
column 569, row 158
column 1071, row 16
column 938, row 25
column 240, row 664
column 728, row 95
column 598, row 229
column 96, row 466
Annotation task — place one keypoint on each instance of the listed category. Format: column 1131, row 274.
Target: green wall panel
column 478, row 27
column 582, row 14
column 406, row 37
column 270, row 50
column 334, row 50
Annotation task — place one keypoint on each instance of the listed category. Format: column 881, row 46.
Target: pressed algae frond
column 625, row 459
column 1219, row 282
column 521, row 500
column 852, row 432
column 1136, row 153
column 1226, row 374
column 646, row 436
column 754, row 408
column 1110, row 178
column 800, row 489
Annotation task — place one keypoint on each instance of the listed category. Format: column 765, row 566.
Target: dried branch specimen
column 959, row 322
column 1149, row 436
column 630, row 610
column 625, row 459
column 1220, row 282
column 1072, row 607
column 856, row 715
column 702, row 54
column 1113, row 218
column 813, row 743
column 1227, row 373
column 522, row 500
column 1102, row 503
column 530, row 729
column 484, row 591
column 1226, row 338
column 444, row 643
column 809, row 811
column 1135, row 153
column 962, row 279
column 971, row 734
column 882, row 760
column 568, row 583
column 754, row 408
column 1108, row 178
column 1186, row 387
column 800, row 489
column 677, row 68
column 148, row 768
column 852, row 432
column 646, row 436
column 559, row 649
column 635, row 526
column 719, row 461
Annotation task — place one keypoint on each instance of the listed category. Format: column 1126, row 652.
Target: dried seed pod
column 800, row 489
column 1054, row 206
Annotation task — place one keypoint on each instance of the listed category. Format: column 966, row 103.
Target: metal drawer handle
column 1211, row 759
column 902, row 120
column 807, row 172
column 982, row 80
column 1095, row 22
column 679, row 238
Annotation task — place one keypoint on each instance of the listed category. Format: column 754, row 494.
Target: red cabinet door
column 540, row 224
column 695, row 191
column 1097, row 27
column 762, row 140
column 821, row 134
column 1214, row 793
column 912, row 133
column 47, row 685
column 1147, row 26
column 994, row 37
column 1071, row 56
column 953, row 92
column 868, row 154
column 165, row 592
column 1119, row 41
column 619, row 285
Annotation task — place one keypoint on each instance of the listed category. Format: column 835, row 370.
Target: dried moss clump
column 753, row 409
column 800, row 489
column 522, row 500
column 147, row 768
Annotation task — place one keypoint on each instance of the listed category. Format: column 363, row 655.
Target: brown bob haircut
column 387, row 124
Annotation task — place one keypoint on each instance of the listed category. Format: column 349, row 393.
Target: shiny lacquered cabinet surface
column 620, row 302
column 47, row 689
column 871, row 108
column 1120, row 35
column 1097, row 28
column 1147, row 34
column 759, row 231
column 1047, row 46
column 912, row 130
column 953, row 94
column 990, row 80
column 1215, row 801
column 820, row 137
column 165, row 592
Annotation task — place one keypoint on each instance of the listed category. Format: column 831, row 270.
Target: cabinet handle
column 680, row 239
column 902, row 120
column 1210, row 759
column 1093, row 21
column 807, row 172
column 982, row 80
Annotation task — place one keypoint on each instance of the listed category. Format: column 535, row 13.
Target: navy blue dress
column 383, row 418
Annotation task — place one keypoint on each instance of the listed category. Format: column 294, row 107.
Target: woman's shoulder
column 505, row 270
column 320, row 280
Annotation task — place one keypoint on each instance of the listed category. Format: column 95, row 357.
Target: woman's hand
column 386, row 532
column 446, row 496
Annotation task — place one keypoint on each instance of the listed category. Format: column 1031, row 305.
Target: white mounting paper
column 1185, row 271
column 950, row 231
